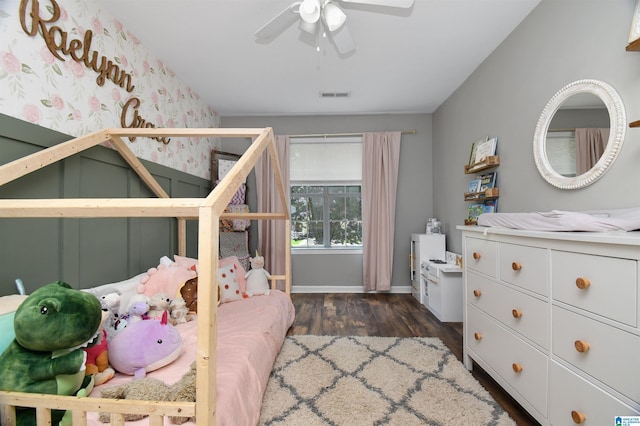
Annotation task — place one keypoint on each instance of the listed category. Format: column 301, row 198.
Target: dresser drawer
column 502, row 350
column 611, row 284
column 525, row 314
column 482, row 256
column 569, row 393
column 524, row 266
column 612, row 354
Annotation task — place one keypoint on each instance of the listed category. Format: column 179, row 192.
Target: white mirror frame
column 617, row 117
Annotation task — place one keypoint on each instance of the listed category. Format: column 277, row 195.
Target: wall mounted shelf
column 487, row 163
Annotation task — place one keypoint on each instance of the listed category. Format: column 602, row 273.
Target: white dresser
column 553, row 318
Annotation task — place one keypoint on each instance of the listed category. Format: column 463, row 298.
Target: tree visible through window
column 326, row 216
column 325, row 181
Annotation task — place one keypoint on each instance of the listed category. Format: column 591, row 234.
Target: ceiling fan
column 322, row 16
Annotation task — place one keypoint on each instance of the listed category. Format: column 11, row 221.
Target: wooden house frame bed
column 208, row 211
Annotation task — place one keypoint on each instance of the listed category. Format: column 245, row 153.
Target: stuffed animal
column 98, row 356
column 189, row 292
column 178, row 311
column 158, row 304
column 149, row 389
column 137, row 309
column 257, row 277
column 110, row 303
column 145, row 346
column 46, row 357
column 167, row 278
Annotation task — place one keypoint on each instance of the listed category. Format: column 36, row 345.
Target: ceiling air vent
column 334, row 94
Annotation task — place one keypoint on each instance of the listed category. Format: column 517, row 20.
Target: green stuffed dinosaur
column 46, row 356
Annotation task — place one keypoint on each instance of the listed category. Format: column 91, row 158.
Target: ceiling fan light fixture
column 310, row 11
column 308, row 27
column 333, row 16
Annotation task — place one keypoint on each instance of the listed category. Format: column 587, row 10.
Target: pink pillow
column 228, row 281
column 188, row 262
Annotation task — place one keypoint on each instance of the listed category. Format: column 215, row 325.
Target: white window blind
column 335, row 159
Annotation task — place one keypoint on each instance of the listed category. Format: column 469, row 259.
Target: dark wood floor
column 338, row 314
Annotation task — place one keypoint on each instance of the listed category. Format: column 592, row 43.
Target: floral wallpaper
column 64, row 94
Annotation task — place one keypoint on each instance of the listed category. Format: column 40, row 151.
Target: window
column 561, row 152
column 326, row 204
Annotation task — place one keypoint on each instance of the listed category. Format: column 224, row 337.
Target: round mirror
column 579, row 134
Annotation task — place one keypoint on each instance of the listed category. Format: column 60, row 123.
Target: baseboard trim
column 345, row 289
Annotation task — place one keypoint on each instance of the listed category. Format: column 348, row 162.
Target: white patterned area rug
column 329, row 380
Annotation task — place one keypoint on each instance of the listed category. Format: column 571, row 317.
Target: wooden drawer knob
column 581, row 346
column 516, row 313
column 476, row 255
column 582, row 283
column 578, row 417
column 516, row 266
column 516, row 367
column 477, row 336
column 477, row 293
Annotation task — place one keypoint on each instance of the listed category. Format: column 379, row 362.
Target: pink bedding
column 250, row 335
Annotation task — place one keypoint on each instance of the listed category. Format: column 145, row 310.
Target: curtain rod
column 324, row 135
column 562, row 130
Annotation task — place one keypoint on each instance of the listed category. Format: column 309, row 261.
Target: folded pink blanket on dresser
column 250, row 335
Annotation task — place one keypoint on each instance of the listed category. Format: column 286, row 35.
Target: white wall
column 559, row 42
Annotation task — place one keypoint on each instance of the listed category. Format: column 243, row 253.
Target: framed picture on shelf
column 486, row 149
column 634, row 34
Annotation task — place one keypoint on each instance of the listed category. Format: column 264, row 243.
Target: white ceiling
column 406, row 60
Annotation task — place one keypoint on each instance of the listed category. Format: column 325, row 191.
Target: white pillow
column 228, row 282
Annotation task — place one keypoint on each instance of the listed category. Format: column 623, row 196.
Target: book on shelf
column 475, row 210
column 474, row 147
column 474, row 185
column 490, row 206
column 488, row 180
column 486, row 149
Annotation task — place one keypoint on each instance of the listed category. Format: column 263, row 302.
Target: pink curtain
column 590, row 145
column 380, row 164
column 271, row 233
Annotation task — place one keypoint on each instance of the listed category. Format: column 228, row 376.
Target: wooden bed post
column 182, row 237
column 207, row 316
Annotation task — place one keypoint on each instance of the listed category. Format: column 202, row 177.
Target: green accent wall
column 84, row 252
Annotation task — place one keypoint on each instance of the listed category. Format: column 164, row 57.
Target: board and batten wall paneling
column 84, row 252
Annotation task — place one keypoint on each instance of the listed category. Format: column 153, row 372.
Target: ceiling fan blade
column 280, row 22
column 389, row 3
column 343, row 41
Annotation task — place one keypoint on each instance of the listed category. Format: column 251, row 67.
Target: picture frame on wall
column 634, row 34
